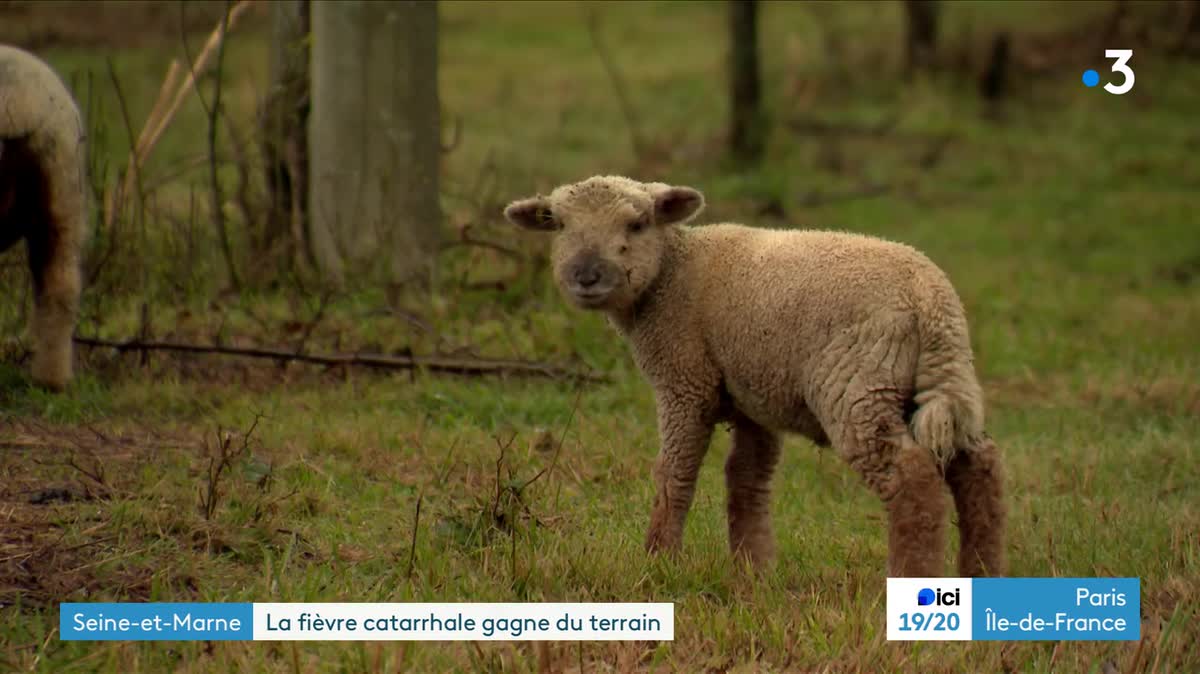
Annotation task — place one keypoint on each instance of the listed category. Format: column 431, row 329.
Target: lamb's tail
column 948, row 397
column 943, row 423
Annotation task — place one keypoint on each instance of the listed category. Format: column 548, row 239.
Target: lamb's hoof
column 51, row 376
column 757, row 558
column 54, row 384
column 659, row 544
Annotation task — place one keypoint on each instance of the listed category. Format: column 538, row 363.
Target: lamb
column 43, row 201
column 855, row 342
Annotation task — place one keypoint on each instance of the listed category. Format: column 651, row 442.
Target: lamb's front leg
column 748, row 481
column 685, row 427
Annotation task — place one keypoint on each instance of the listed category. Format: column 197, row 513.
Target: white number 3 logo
column 1122, row 56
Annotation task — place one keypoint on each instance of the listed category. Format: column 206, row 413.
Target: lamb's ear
column 532, row 213
column 676, row 204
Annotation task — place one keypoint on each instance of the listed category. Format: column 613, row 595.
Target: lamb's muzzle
column 590, row 280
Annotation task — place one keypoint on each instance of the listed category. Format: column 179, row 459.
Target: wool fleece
column 43, row 201
column 853, row 341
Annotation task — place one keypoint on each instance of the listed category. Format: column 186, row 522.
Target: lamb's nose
column 587, row 275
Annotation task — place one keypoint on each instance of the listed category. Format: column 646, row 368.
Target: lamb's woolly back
column 36, row 108
column 804, row 287
column 824, row 298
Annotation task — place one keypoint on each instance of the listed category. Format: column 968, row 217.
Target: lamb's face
column 610, row 235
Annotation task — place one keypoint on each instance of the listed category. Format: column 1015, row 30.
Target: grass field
column 1068, row 225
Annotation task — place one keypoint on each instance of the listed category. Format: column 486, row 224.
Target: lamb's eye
column 637, row 225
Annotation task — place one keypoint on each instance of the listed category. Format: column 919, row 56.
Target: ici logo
column 937, row 597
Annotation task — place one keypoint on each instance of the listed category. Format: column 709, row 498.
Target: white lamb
column 850, row 340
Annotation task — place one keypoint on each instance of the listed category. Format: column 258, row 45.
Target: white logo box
column 949, row 620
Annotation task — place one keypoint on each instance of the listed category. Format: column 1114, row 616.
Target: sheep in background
column 43, row 201
column 853, row 341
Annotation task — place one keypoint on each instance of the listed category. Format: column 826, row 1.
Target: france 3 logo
column 1124, row 83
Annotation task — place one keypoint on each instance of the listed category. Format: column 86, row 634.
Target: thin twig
column 133, row 176
column 463, row 366
column 96, row 475
column 242, row 163
column 499, row 465
column 412, row 549
column 467, row 240
column 561, row 440
column 156, row 112
column 449, row 461
column 162, row 114
column 606, row 58
column 137, row 148
column 42, row 651
column 311, row 327
column 213, row 113
column 195, row 68
column 220, row 464
column 176, row 172
column 133, row 167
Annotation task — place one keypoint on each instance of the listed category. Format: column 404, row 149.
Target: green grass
column 1069, row 230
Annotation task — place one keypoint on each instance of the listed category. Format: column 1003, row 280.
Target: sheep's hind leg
column 916, row 514
column 877, row 443
column 976, row 479
column 748, row 481
column 54, row 264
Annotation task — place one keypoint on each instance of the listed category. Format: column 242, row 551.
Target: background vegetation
column 1065, row 216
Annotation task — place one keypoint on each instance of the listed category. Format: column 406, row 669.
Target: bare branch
column 213, row 113
column 412, row 548
column 606, row 58
column 463, row 366
column 133, row 164
column 242, row 163
column 465, row 239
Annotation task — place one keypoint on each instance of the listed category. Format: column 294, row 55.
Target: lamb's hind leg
column 748, row 481
column 876, row 442
column 976, row 479
column 53, row 243
column 916, row 514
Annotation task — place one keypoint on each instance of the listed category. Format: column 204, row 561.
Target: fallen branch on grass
column 464, row 366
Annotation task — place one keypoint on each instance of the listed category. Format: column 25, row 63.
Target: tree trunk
column 285, row 131
column 375, row 140
column 993, row 86
column 748, row 124
column 922, row 33
column 1190, row 25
